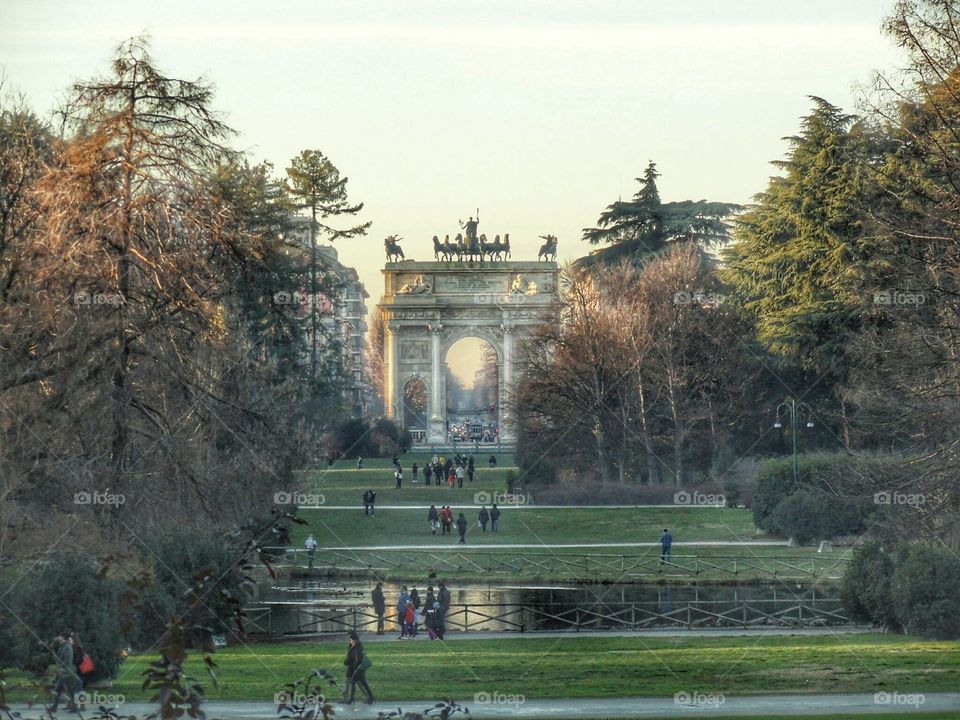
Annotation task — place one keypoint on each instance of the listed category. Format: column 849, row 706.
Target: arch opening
column 472, row 391
column 415, row 408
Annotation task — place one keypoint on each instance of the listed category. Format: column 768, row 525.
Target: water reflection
column 311, row 606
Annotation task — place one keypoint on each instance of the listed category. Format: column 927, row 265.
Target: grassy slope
column 597, row 667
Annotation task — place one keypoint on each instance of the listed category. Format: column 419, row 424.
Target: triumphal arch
column 429, row 306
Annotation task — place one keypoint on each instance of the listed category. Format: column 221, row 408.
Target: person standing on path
column 402, row 609
column 359, row 462
column 484, row 518
column 431, row 598
column 415, row 599
column 462, row 528
column 398, row 474
column 666, row 543
column 470, row 469
column 494, row 518
column 434, row 519
column 413, row 471
column 460, row 473
column 447, row 520
column 357, row 664
column 438, row 473
column 311, row 546
column 372, row 499
column 443, row 597
column 379, row 606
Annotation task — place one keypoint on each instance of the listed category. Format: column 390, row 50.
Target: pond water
column 317, row 607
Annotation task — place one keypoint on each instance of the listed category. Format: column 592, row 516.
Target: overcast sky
column 538, row 112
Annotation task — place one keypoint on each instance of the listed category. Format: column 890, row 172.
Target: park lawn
column 346, row 486
column 530, row 525
column 584, row 666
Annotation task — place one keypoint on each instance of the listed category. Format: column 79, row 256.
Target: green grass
column 578, row 667
column 334, row 528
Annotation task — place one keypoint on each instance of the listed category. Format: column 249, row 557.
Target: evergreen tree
column 801, row 256
column 315, row 184
column 641, row 228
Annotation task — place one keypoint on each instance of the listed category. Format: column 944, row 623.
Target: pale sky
column 539, row 112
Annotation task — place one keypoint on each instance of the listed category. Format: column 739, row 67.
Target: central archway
column 427, row 307
column 472, row 391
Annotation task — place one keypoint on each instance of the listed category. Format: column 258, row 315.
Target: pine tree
column 641, row 228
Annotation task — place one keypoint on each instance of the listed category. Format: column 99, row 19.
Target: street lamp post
column 793, row 407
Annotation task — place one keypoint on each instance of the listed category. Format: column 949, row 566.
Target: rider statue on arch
column 470, row 228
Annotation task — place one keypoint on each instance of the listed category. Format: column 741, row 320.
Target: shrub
column 924, row 592
column 865, row 589
column 67, row 594
column 774, row 483
column 184, row 556
column 386, row 439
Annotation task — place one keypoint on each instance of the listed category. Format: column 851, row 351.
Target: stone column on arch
column 507, row 430
column 391, row 372
column 438, row 421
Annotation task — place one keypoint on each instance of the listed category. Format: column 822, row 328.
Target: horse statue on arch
column 444, row 251
column 548, row 251
column 391, row 245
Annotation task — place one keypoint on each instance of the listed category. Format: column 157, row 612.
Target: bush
column 924, row 592
column 386, row 439
column 63, row 595
column 807, row 517
column 865, row 589
column 186, row 555
column 774, row 483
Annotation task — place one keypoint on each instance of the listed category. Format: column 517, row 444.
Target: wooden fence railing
column 454, row 562
column 294, row 619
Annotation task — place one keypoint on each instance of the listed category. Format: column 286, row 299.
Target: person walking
column 398, row 474
column 447, row 518
column 66, row 675
column 470, row 469
column 462, row 528
column 379, row 606
column 359, row 462
column 413, row 471
column 452, row 478
column 460, row 474
column 666, row 543
column 357, row 664
column 493, row 461
column 438, row 473
column 311, row 546
column 484, row 518
column 402, row 609
column 433, row 517
column 409, row 617
column 373, row 502
column 494, row 518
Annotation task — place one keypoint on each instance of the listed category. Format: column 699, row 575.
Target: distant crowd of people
column 411, row 611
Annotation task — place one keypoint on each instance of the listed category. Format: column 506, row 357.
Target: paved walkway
column 548, row 546
column 696, row 705
column 512, row 506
